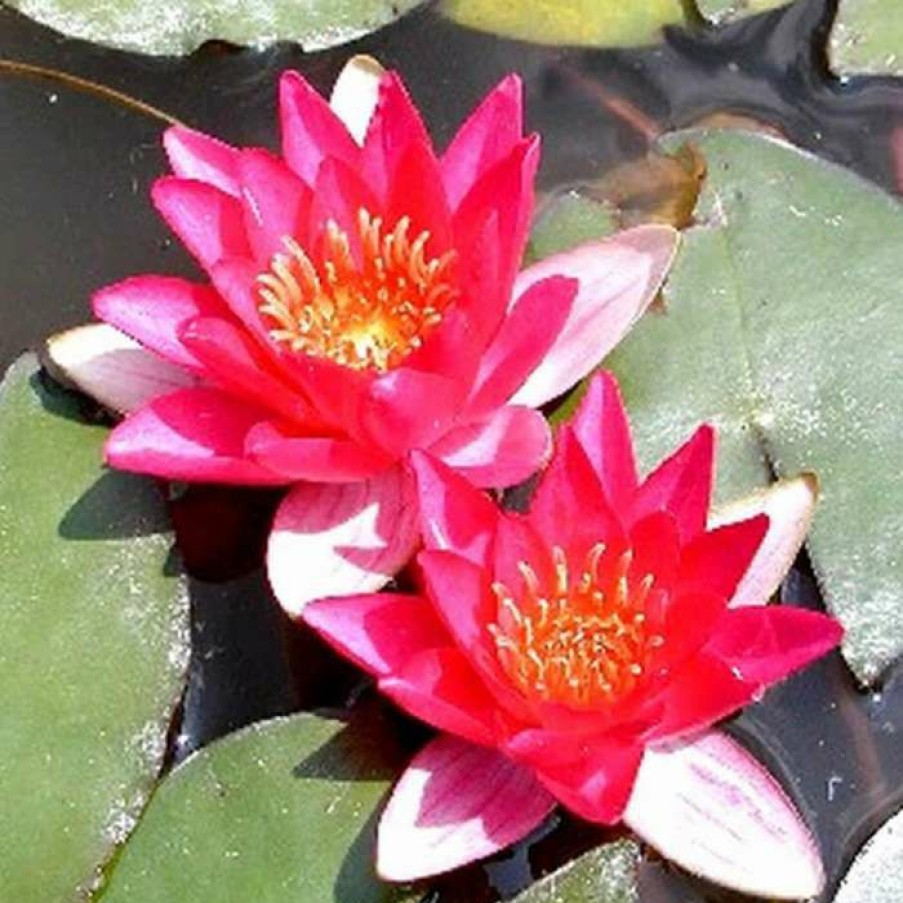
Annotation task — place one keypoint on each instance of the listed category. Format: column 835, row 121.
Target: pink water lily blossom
column 363, row 297
column 580, row 654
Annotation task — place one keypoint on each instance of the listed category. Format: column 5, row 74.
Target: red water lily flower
column 580, row 653
column 364, row 300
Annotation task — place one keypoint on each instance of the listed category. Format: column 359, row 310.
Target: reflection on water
column 74, row 215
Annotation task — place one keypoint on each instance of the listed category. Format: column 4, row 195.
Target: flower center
column 367, row 315
column 583, row 640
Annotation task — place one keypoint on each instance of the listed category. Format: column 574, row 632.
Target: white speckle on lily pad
column 180, row 27
column 875, row 875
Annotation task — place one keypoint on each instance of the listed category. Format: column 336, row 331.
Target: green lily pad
column 282, row 810
column 875, row 875
column 720, row 12
column 94, row 640
column 180, row 27
column 867, row 38
column 567, row 220
column 604, row 875
column 781, row 326
column 588, row 23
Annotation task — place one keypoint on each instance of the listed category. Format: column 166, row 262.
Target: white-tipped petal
column 789, row 505
column 341, row 539
column 355, row 94
column 456, row 803
column 114, row 369
column 709, row 806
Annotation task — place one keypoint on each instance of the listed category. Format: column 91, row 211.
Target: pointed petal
column 763, row 645
column 194, row 155
column 460, row 592
column 318, row 459
column 709, row 806
column 208, row 221
column 439, row 686
column 232, row 360
column 715, row 561
column 407, row 409
column 619, row 277
column 455, row 804
column 153, row 310
column 595, row 784
column 340, row 539
column 487, row 136
column 508, row 446
column 379, row 633
column 311, row 131
column 355, row 94
column 454, row 515
column 681, row 485
column 602, row 429
column 395, row 125
column 789, row 505
column 191, row 434
column 112, row 368
column 276, row 204
column 522, row 340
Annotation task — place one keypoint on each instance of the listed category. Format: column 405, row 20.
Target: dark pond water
column 75, row 167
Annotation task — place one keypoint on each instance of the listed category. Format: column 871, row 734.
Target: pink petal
column 789, row 505
column 194, row 155
column 234, row 279
column 715, row 561
column 341, row 539
column 619, row 277
column 494, row 218
column 232, row 360
column 681, row 485
column 455, row 804
column 521, row 342
column 763, row 645
column 208, row 221
column 340, row 193
column 508, row 446
column 356, row 93
column 569, row 484
column 407, row 409
column 311, row 131
column 595, row 784
column 601, row 427
column 381, row 632
column 460, row 592
column 153, row 310
column 314, row 458
column 709, row 806
column 454, row 514
column 276, row 204
column 488, row 136
column 394, row 126
column 191, row 434
column 112, row 368
column 440, row 687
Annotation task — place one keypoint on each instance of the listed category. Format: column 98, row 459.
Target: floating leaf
column 720, row 12
column 875, row 875
column 283, row 810
column 588, row 23
column 567, row 220
column 606, row 874
column 95, row 644
column 782, row 328
column 867, row 38
column 182, row 26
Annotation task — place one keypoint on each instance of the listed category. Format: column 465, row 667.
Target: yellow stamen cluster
column 367, row 314
column 583, row 640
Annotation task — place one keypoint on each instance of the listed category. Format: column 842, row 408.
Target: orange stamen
column 367, row 315
column 583, row 640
